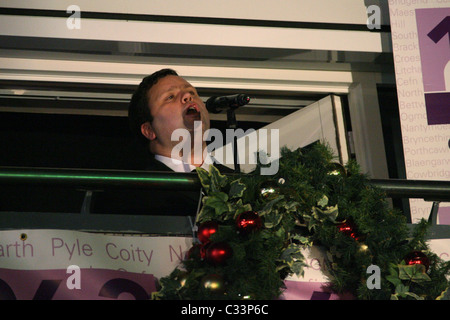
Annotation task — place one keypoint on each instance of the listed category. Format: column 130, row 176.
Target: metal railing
column 434, row 191
column 425, row 189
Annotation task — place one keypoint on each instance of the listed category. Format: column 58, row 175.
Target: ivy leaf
column 291, row 206
column 393, row 269
column 272, row 219
column 280, row 233
column 323, row 201
column 269, row 205
column 318, row 215
column 236, row 189
column 298, row 267
column 292, row 256
column 212, row 181
column 302, row 239
column 401, row 290
column 312, row 224
column 206, row 213
column 241, row 208
column 332, row 213
column 405, row 272
column 394, row 279
column 218, row 201
column 415, row 296
column 420, row 277
column 237, row 208
column 445, row 295
column 218, row 180
column 415, row 273
column 393, row 275
column 204, row 178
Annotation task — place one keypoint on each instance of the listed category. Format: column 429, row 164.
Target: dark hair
column 138, row 109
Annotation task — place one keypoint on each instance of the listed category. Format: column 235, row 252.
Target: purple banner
column 94, row 284
column 302, row 290
column 438, row 107
column 433, row 27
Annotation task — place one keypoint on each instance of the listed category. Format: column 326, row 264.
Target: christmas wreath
column 252, row 229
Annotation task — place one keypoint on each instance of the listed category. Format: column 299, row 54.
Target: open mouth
column 192, row 110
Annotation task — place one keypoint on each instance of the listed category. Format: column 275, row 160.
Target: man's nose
column 186, row 97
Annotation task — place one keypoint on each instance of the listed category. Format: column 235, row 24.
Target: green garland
column 310, row 198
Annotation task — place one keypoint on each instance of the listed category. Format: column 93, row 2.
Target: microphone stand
column 214, row 104
column 232, row 124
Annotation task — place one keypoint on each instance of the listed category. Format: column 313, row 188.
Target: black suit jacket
column 150, row 202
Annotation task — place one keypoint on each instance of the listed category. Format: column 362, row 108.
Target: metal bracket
column 434, row 212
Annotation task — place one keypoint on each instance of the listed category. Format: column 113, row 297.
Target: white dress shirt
column 181, row 166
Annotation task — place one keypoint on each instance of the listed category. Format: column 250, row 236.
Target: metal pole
column 88, row 179
column 84, row 178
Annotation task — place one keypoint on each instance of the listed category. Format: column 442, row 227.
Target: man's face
column 174, row 103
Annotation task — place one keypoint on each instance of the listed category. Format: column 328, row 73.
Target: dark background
column 105, row 142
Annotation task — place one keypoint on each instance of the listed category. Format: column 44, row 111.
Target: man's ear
column 147, row 131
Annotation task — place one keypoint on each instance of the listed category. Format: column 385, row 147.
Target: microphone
column 218, row 104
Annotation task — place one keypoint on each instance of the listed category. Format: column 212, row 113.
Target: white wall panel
column 316, row 122
column 195, row 34
column 324, row 11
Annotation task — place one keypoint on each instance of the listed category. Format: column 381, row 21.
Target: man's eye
column 169, row 97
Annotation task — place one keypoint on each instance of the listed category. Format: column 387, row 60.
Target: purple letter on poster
column 433, row 27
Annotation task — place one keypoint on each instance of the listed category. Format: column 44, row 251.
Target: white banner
column 45, row 264
column 32, row 261
column 58, row 249
column 67, row 265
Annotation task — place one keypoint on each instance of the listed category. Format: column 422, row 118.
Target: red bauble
column 218, row 252
column 198, row 251
column 348, row 227
column 248, row 221
column 417, row 257
column 205, row 230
